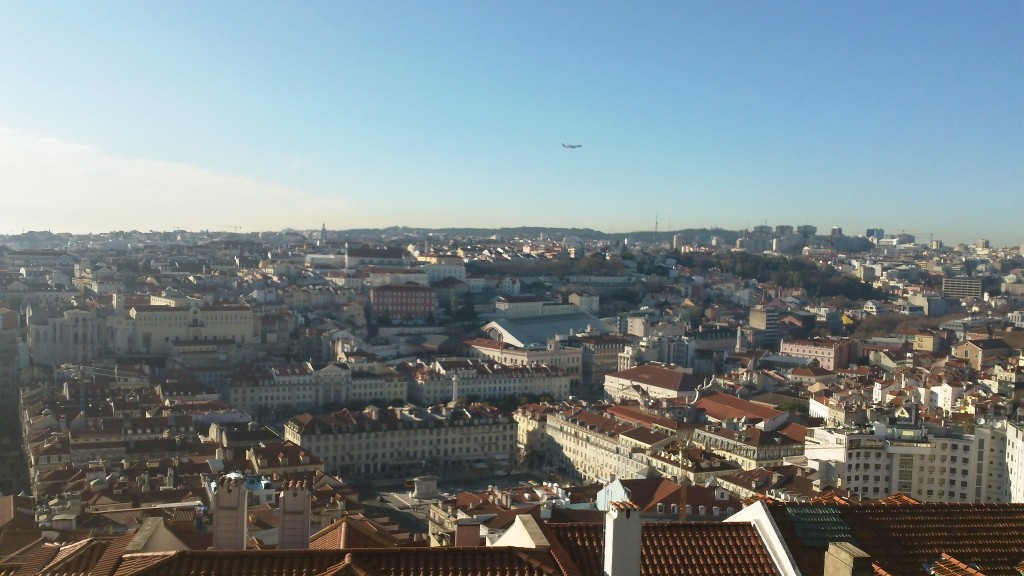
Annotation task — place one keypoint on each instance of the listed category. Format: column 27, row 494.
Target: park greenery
column 817, row 281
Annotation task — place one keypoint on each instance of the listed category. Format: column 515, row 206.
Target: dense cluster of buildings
column 172, row 394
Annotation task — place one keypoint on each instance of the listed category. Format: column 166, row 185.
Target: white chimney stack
column 622, row 539
column 230, row 503
column 293, row 505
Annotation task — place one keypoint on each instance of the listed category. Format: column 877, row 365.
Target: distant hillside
column 688, row 234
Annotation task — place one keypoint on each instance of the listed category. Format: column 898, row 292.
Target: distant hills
column 402, row 233
column 688, row 234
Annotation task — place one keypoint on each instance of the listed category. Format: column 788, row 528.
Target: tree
column 793, row 406
column 466, row 312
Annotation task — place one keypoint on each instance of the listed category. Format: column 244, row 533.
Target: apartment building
column 380, row 256
column 601, row 444
column 765, row 319
column 360, row 383
column 56, row 336
column 1015, row 460
column 397, row 441
column 830, row 354
column 555, row 354
column 274, row 388
column 585, row 445
column 928, row 463
column 751, row 447
column 527, row 306
column 400, row 303
column 962, row 288
column 439, row 271
column 922, row 340
column 652, row 381
column 447, row 379
column 600, row 355
column 394, row 276
column 982, row 353
column 155, row 328
column 531, row 438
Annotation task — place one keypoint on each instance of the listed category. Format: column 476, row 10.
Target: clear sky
column 905, row 115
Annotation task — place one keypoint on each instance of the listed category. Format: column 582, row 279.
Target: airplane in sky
column 564, row 145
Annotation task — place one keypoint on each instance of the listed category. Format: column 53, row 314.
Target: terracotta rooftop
column 637, row 415
column 646, row 493
column 660, row 377
column 14, row 541
column 676, row 548
column 723, row 406
column 397, row 562
column 644, row 436
column 359, row 531
column 11, row 517
column 946, row 565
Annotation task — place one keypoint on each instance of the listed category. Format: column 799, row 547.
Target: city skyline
column 144, row 116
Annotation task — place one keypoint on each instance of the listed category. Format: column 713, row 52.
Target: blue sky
column 153, row 115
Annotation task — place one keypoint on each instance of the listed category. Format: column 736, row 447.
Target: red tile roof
column 660, row 377
column 77, row 558
column 637, row 415
column 676, row 548
column 359, row 531
column 394, row 562
column 14, row 541
column 723, row 406
column 946, row 565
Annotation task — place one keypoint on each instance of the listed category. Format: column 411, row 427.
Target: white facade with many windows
column 1015, row 460
column 931, row 465
column 155, row 328
column 445, row 380
column 399, row 441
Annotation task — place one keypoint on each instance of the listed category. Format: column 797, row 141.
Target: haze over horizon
column 265, row 116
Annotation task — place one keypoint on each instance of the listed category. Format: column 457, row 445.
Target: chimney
column 230, row 505
column 845, row 559
column 622, row 538
column 467, row 532
column 684, row 489
column 293, row 505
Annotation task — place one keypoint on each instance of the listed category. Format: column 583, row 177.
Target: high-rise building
column 961, row 287
column 767, row 320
